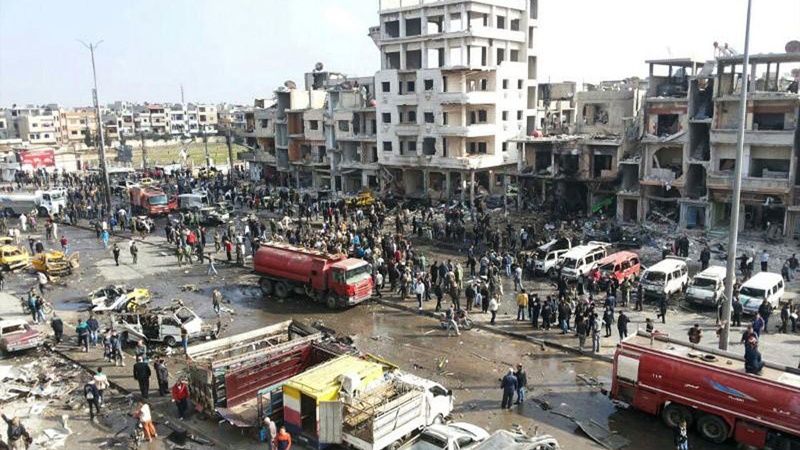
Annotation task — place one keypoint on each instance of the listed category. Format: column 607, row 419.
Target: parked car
column 13, row 257
column 17, row 335
column 452, row 436
column 119, row 298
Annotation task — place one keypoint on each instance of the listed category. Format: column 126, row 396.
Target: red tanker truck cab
column 151, row 201
column 336, row 280
column 709, row 389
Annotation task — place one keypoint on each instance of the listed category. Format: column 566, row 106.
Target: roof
column 666, row 264
column 761, row 58
column 680, row 62
column 326, row 377
column 762, row 276
column 714, row 271
column 615, row 256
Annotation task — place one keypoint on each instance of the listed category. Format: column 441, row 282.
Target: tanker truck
column 151, row 201
column 336, row 280
column 42, row 201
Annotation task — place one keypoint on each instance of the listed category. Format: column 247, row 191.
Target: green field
column 197, row 154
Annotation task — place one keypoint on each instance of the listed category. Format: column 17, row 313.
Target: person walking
column 146, row 419
column 94, row 327
column 494, row 305
column 758, row 325
column 82, row 330
column 180, row 395
column 705, row 257
column 608, row 318
column 662, row 310
column 211, row 266
column 509, row 386
column 582, row 328
column 216, row 300
column 134, row 252
column 522, row 383
column 793, row 265
column 162, row 376
column 42, row 279
column 595, row 329
column 764, row 258
column 680, row 436
column 738, row 308
column 101, row 383
column 142, row 373
column 92, row 398
column 116, row 349
column 115, row 251
column 622, row 325
column 269, row 433
column 283, row 441
column 58, row 328
column 18, row 436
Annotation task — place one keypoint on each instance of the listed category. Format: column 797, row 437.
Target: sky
column 237, row 50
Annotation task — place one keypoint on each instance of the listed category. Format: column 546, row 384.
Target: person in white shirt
column 101, row 383
column 419, row 289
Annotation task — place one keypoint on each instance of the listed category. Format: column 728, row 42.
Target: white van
column 581, row 259
column 707, row 287
column 761, row 286
column 546, row 256
column 665, row 278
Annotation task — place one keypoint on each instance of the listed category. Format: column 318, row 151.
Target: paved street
column 474, row 361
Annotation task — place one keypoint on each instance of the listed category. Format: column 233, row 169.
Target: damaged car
column 17, row 335
column 163, row 325
column 119, row 298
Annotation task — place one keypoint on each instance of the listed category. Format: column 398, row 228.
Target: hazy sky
column 237, row 50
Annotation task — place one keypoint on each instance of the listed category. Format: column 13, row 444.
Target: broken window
column 386, row 117
column 429, row 146
column 768, row 121
column 435, row 24
column 667, row 125
column 387, row 146
column 392, row 28
column 428, row 117
column 428, row 85
column 595, row 114
column 313, row 125
column 392, row 60
column 601, row 163
column 413, row 59
column 344, row 125
column 263, row 123
column 386, row 86
column 727, row 165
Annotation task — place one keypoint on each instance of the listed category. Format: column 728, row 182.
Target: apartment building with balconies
column 37, row 125
column 207, row 119
column 457, row 84
column 75, row 125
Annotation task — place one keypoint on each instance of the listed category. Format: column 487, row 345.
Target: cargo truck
column 336, row 280
column 42, row 202
column 362, row 404
column 151, row 201
column 710, row 390
column 229, row 377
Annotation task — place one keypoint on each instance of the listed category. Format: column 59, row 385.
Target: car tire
column 674, row 413
column 170, row 341
column 712, row 428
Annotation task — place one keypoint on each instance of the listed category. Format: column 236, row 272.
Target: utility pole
column 730, row 278
column 102, row 147
column 144, row 150
column 229, row 141
column 205, row 141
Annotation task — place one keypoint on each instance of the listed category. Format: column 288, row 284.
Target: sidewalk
column 778, row 348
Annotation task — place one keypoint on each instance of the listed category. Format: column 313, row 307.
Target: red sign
column 38, row 158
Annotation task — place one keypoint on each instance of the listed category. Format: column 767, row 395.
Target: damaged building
column 581, row 172
column 457, row 83
column 692, row 116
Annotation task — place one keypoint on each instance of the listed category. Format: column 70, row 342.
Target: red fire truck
column 151, row 201
column 337, row 280
column 709, row 389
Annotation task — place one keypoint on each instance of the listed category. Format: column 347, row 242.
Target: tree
column 88, row 139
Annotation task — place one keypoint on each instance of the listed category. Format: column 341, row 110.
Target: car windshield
column 56, row 196
column 752, row 292
column 357, row 274
column 160, row 199
column 607, row 267
column 570, row 263
column 654, row 276
column 429, row 442
column 13, row 329
column 704, row 283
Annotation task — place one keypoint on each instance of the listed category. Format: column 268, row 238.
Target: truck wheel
column 712, row 428
column 170, row 341
column 330, row 301
column 673, row 414
column 551, row 273
column 281, row 289
column 43, row 212
column 267, row 287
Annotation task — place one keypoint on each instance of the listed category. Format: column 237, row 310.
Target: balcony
column 724, row 181
column 407, row 129
column 754, row 137
column 478, row 130
column 467, row 98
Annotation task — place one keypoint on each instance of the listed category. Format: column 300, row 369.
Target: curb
column 512, row 334
column 214, row 441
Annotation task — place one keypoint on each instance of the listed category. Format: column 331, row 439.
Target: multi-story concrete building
column 556, row 107
column 75, row 125
column 178, row 123
column 457, row 82
column 37, row 125
column 207, row 120
column 159, row 118
column 5, row 116
column 690, row 147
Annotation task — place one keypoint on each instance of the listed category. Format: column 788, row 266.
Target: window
column 412, row 116
column 386, row 117
column 505, row 84
column 501, row 22
column 344, row 126
column 505, row 146
column 519, row 115
column 520, row 84
column 501, row 55
column 412, row 146
column 482, row 115
column 386, row 86
column 428, row 117
column 264, row 123
column 513, row 55
column 73, row 132
column 505, row 116
column 484, row 84
column 428, row 85
column 387, row 146
column 411, row 87
column 444, row 84
column 482, row 147
column 429, row 146
column 312, row 124
column 473, row 117
column 444, row 118
column 202, row 119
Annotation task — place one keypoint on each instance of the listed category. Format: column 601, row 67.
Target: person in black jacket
column 18, row 436
column 522, row 383
column 752, row 358
column 509, row 386
column 622, row 325
column 141, row 373
column 92, row 396
column 58, row 328
column 680, row 436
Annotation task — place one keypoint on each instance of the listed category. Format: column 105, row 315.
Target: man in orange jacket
column 284, row 440
column 180, row 395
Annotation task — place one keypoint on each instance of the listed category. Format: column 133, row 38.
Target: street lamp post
column 101, row 140
column 730, row 278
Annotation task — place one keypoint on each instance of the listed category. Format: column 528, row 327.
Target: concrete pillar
column 402, row 55
column 472, row 191
column 426, row 181
column 447, row 185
